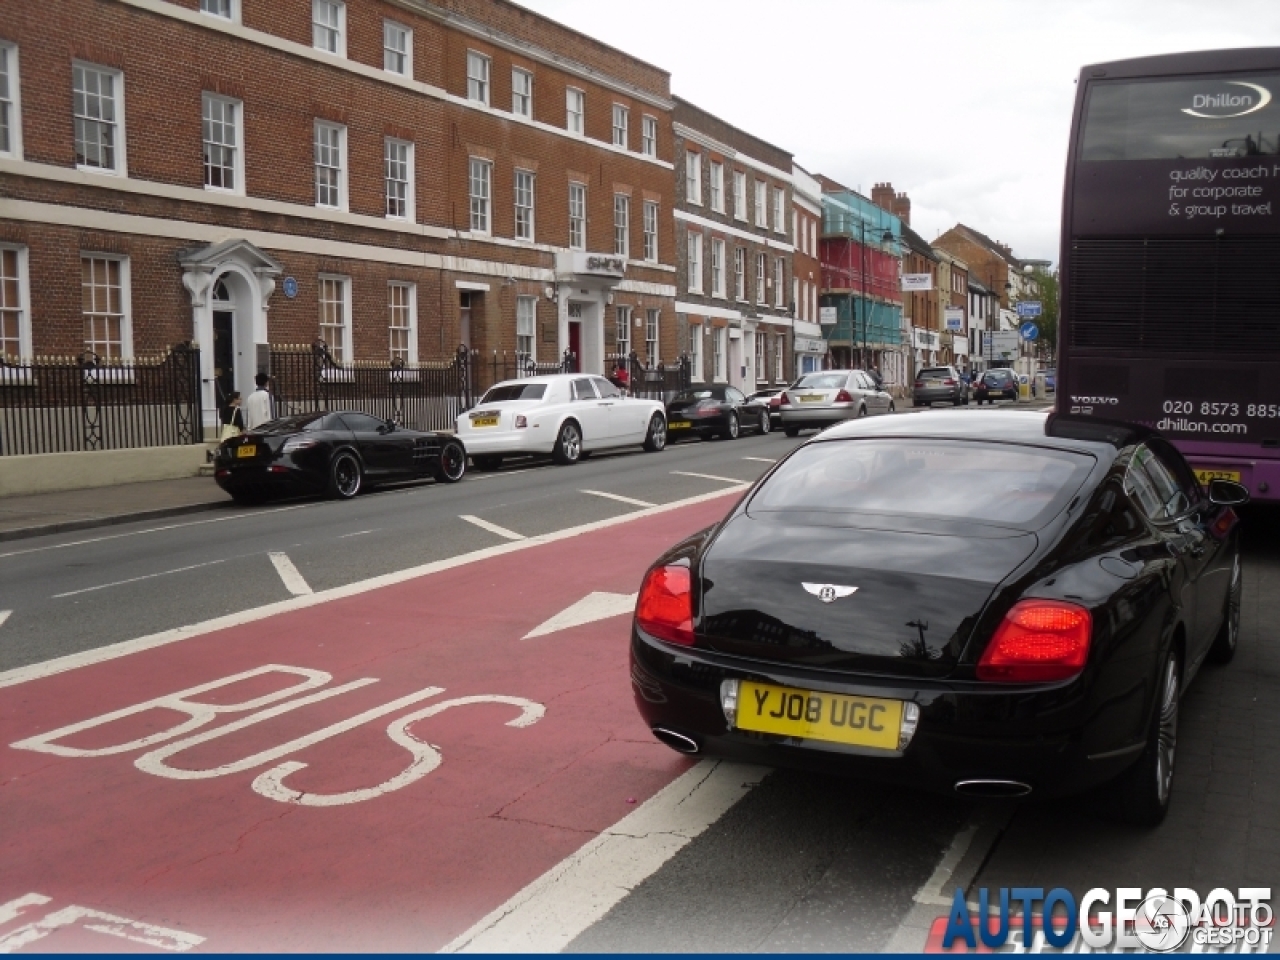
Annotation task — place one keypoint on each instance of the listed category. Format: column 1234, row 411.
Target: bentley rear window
column 515, row 391
column 958, row 480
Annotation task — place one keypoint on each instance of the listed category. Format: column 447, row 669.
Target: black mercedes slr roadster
column 993, row 604
column 337, row 454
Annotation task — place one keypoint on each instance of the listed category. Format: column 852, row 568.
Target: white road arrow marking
column 4, row 615
column 592, row 607
column 619, row 497
column 293, row 580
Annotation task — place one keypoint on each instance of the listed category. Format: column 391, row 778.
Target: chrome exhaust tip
column 676, row 741
column 992, row 789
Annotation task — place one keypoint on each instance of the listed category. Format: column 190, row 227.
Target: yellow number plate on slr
column 834, row 717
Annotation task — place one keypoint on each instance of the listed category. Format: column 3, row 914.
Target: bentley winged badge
column 829, row 592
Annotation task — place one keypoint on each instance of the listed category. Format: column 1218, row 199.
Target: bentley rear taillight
column 1038, row 641
column 664, row 608
column 843, row 397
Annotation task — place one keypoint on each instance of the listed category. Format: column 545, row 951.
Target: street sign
column 917, row 281
column 1029, row 308
column 1002, row 344
column 290, row 287
column 954, row 318
column 1029, row 331
column 827, row 315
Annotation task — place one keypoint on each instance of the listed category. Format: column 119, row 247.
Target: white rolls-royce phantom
column 563, row 415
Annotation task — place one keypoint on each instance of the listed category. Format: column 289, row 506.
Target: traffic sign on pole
column 1029, row 331
column 1029, row 308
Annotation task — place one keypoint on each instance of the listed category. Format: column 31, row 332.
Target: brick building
column 733, row 252
column 861, row 253
column 395, row 177
column 807, row 341
column 953, row 301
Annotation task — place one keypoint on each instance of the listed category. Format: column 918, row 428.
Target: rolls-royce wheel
column 345, row 476
column 568, row 448
column 655, row 440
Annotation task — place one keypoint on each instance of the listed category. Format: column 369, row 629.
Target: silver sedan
column 820, row 399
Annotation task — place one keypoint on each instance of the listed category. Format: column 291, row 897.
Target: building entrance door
column 575, row 335
column 224, row 357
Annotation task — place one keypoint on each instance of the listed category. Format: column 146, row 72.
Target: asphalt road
column 799, row 863
column 77, row 591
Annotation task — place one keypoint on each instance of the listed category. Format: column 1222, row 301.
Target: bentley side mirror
column 1227, row 493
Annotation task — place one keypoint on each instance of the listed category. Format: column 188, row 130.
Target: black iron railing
column 424, row 396
column 67, row 404
column 651, row 381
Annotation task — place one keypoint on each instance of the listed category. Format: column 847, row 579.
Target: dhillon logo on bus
column 1239, row 102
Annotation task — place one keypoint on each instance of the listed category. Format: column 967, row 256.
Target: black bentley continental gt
column 336, row 454
column 993, row 604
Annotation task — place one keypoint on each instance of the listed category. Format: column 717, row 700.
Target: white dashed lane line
column 149, row 576
column 4, row 615
column 289, row 575
column 709, row 476
column 762, row 459
column 620, row 498
column 493, row 527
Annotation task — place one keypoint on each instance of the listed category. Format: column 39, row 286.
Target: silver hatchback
column 820, row 399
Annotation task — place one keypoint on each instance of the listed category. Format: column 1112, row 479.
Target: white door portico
column 587, row 280
column 244, row 278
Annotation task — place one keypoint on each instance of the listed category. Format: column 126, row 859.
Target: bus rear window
column 1224, row 116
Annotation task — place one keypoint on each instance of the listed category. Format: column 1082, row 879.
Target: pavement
column 40, row 514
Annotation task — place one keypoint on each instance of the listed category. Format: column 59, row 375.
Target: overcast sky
column 963, row 104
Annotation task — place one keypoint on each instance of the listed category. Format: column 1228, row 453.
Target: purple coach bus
column 1170, row 261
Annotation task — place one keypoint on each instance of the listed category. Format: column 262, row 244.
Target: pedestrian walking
column 260, row 407
column 232, row 418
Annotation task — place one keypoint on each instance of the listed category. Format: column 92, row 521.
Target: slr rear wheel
column 765, row 423
column 345, row 476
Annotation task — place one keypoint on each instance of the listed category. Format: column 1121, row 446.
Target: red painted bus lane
column 372, row 773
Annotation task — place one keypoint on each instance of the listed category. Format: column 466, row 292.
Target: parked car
column 565, row 416
column 987, row 604
column 1001, row 384
column 338, row 454
column 1051, row 381
column 820, row 399
column 715, row 410
column 773, row 397
column 934, row 384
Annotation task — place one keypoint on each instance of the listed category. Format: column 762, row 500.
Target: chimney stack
column 902, row 208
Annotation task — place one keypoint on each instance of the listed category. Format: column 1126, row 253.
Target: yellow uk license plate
column 834, row 717
column 248, row 450
column 484, row 422
column 810, row 398
column 1204, row 476
column 678, row 425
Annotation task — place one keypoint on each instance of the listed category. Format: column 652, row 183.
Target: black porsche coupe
column 987, row 603
column 336, row 454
